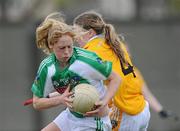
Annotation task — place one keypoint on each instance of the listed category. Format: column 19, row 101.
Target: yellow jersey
column 128, row 98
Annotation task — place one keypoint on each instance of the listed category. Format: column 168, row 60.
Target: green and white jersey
column 84, row 67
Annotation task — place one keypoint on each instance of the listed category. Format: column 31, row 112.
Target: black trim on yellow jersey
column 130, row 69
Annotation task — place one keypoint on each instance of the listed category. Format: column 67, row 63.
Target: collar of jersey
column 93, row 38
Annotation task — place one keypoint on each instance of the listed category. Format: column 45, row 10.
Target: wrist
column 163, row 114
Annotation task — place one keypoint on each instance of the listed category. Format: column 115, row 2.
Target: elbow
column 115, row 80
column 36, row 105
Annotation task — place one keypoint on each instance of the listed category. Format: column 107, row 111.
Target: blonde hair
column 48, row 32
column 93, row 20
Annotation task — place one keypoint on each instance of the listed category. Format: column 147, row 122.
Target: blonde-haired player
column 65, row 67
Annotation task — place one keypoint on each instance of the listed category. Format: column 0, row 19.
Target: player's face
column 63, row 49
column 82, row 39
column 82, row 36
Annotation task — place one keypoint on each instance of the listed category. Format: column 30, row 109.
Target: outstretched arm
column 52, row 101
column 153, row 102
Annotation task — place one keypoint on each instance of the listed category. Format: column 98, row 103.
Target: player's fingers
column 69, row 100
column 69, row 105
column 68, row 94
column 68, row 89
column 92, row 113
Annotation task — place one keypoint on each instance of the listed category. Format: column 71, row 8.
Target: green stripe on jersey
column 48, row 60
column 91, row 58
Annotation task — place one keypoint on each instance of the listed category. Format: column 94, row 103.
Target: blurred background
column 151, row 29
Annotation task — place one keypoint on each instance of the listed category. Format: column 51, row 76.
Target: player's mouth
column 66, row 58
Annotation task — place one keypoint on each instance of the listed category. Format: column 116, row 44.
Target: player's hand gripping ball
column 84, row 98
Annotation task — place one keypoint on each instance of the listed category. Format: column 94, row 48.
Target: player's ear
column 91, row 32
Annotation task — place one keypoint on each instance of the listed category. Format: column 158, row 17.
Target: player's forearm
column 45, row 103
column 114, row 81
column 153, row 102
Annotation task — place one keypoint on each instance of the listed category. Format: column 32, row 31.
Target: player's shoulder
column 97, row 41
column 87, row 56
column 84, row 52
column 48, row 61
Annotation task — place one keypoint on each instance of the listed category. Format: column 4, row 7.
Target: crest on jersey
column 36, row 79
column 99, row 60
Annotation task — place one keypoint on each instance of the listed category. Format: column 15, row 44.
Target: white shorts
column 66, row 121
column 137, row 122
